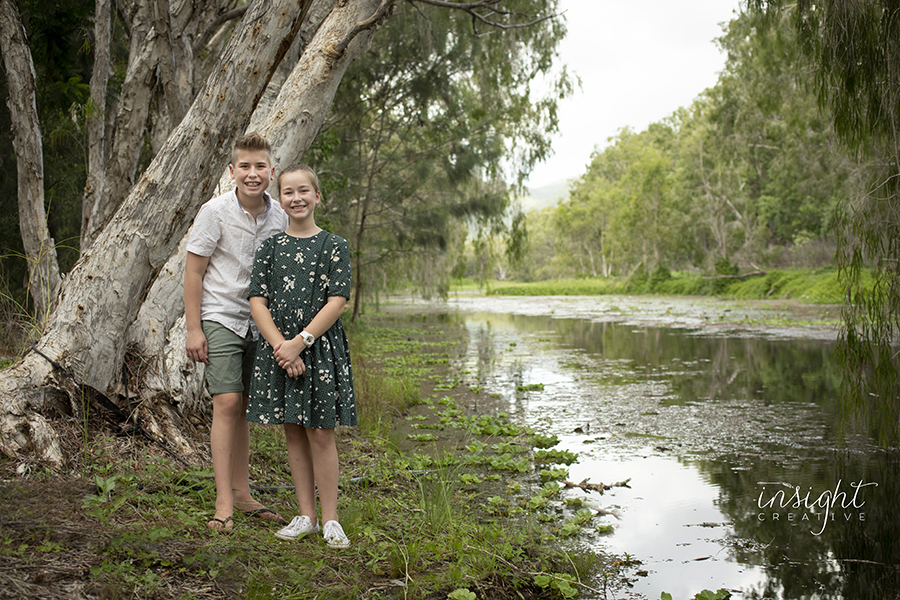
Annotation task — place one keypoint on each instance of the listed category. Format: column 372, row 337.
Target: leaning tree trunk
column 102, row 294
column 167, row 386
column 127, row 135
column 96, row 119
column 148, row 51
column 40, row 249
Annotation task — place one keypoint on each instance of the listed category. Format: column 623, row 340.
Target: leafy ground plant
column 721, row 594
column 132, row 523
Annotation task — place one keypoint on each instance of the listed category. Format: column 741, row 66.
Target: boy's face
column 252, row 172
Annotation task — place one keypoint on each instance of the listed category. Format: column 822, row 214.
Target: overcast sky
column 639, row 60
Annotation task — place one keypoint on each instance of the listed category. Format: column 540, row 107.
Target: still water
column 740, row 476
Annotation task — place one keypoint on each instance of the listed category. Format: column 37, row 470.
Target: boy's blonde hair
column 306, row 169
column 251, row 142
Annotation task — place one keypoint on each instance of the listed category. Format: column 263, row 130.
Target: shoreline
column 777, row 318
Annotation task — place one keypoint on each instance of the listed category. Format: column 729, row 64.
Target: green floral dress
column 297, row 276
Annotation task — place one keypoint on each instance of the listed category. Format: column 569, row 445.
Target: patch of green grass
column 427, row 518
column 531, row 387
column 813, row 286
column 822, row 286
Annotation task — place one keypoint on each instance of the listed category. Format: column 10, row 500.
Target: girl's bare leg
column 325, row 466
column 300, row 461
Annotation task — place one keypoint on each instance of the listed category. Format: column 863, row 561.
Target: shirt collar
column 266, row 196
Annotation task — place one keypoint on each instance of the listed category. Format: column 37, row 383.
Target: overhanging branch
column 217, row 23
column 372, row 21
column 490, row 13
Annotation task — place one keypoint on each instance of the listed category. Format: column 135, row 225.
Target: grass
column 471, row 511
column 818, row 286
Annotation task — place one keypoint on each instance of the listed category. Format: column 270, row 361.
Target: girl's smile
column 298, row 195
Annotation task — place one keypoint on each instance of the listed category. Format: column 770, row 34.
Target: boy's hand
column 288, row 351
column 197, row 349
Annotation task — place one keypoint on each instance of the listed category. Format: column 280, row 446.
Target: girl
column 302, row 376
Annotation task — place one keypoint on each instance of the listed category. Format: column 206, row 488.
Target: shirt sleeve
column 339, row 269
column 259, row 278
column 205, row 233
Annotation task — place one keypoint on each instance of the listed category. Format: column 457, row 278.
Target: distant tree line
column 749, row 176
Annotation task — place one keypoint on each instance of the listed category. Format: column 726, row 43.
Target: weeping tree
column 116, row 332
column 426, row 128
column 854, row 51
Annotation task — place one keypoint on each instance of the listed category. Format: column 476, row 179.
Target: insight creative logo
column 826, row 507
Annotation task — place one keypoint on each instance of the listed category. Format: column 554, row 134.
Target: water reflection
column 832, row 535
column 709, row 428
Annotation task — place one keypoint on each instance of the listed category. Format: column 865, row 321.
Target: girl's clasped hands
column 287, row 355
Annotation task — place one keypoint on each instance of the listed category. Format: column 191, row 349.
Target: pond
column 739, row 475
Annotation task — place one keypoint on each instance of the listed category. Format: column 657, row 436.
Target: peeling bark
column 103, row 292
column 96, row 125
column 40, row 249
column 166, row 61
column 291, row 123
column 127, row 135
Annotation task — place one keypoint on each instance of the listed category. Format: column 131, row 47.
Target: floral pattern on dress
column 297, row 276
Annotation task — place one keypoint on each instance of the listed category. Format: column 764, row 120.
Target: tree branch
column 380, row 13
column 490, row 7
column 160, row 16
column 216, row 24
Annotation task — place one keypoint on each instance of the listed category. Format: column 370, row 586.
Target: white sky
column 638, row 60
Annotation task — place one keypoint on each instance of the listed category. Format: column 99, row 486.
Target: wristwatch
column 308, row 338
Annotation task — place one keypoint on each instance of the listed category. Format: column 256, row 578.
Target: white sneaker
column 298, row 527
column 334, row 535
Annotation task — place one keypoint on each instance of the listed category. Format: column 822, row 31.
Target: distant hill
column 547, row 195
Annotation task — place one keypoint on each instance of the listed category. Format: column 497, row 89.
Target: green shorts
column 230, row 359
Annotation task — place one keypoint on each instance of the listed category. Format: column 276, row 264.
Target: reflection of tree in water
column 793, row 385
column 704, row 367
column 850, row 559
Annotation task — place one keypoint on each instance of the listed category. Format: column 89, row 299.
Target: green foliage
column 531, row 387
column 544, row 441
column 710, row 595
column 560, row 584
column 424, row 127
column 819, row 286
column 852, row 51
column 565, row 457
column 747, row 174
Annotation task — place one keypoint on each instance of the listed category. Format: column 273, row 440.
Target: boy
column 226, row 233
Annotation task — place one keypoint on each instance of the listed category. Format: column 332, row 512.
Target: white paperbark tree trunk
column 96, row 121
column 128, row 268
column 103, row 292
column 291, row 122
column 40, row 249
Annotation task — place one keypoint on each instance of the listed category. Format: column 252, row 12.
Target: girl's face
column 298, row 196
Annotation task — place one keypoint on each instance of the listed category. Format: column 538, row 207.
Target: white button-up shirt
column 229, row 236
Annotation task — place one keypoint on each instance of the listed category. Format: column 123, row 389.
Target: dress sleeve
column 259, row 278
column 339, row 269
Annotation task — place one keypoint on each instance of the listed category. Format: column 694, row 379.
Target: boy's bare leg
column 226, row 444
column 240, row 471
column 300, row 461
column 325, row 465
